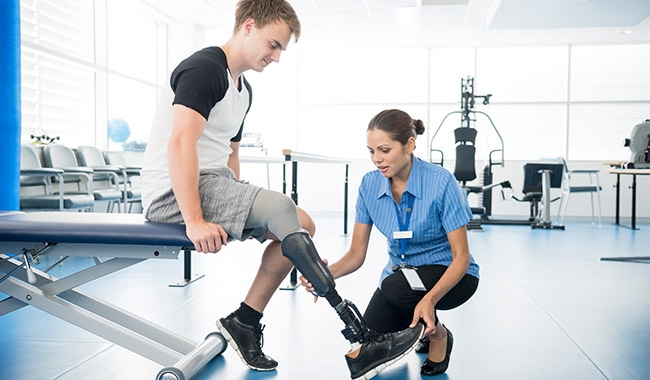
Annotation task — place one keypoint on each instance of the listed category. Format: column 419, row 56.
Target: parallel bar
column 294, row 181
column 345, row 201
column 617, row 220
column 308, row 157
column 634, row 201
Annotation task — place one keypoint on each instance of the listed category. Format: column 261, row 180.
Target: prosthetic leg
column 299, row 248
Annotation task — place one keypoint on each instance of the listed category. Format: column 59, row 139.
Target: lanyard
column 403, row 226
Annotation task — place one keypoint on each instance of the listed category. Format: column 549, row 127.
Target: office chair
column 579, row 181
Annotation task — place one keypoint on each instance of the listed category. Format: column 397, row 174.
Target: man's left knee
column 306, row 221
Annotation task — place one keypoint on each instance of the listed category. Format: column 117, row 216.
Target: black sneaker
column 378, row 351
column 247, row 342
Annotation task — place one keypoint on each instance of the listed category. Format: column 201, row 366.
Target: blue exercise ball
column 118, row 130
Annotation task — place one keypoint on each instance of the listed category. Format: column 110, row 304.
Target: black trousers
column 391, row 307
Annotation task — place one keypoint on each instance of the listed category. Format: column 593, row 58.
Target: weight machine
column 465, row 170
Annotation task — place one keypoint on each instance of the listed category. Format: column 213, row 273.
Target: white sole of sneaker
column 375, row 371
column 232, row 343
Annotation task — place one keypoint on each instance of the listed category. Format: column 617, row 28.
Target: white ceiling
column 437, row 23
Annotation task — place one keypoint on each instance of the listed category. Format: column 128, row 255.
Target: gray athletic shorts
column 224, row 200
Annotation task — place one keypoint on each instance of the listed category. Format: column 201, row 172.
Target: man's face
column 265, row 44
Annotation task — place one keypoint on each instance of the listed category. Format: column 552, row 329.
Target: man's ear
column 248, row 25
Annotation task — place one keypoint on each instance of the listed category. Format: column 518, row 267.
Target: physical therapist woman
column 423, row 212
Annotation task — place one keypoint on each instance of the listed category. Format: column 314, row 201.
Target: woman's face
column 389, row 156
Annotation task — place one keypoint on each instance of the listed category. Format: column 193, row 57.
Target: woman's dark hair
column 398, row 124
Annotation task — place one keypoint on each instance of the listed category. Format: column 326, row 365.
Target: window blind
column 57, row 69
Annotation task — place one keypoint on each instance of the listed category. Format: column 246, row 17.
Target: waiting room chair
column 37, row 190
column 133, row 171
column 117, row 158
column 92, row 157
column 579, row 181
column 104, row 185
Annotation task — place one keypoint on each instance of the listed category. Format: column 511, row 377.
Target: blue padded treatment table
column 95, row 228
column 121, row 240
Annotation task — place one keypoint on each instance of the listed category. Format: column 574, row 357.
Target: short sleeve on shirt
column 455, row 208
column 200, row 81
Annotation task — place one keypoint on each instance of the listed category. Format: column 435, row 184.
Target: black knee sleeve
column 299, row 248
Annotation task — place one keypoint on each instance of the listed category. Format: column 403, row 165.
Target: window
column 57, row 78
column 83, row 63
column 610, row 94
column 131, row 83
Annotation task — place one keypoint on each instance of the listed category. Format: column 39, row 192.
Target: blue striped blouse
column 440, row 206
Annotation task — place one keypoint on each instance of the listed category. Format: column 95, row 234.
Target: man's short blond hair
column 265, row 12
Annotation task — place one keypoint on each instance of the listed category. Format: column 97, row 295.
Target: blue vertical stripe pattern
column 10, row 105
column 440, row 207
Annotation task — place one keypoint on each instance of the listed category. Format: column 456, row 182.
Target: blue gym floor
column 547, row 308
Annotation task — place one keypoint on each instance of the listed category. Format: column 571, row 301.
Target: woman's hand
column 424, row 310
column 308, row 286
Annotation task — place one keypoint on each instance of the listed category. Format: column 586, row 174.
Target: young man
column 191, row 176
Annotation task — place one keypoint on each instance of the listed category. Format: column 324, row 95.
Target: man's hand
column 206, row 237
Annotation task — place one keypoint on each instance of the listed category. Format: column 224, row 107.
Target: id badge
column 413, row 279
column 402, row 234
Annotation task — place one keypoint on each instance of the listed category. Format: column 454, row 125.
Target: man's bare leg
column 274, row 268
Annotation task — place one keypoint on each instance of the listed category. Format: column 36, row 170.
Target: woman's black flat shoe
column 431, row 368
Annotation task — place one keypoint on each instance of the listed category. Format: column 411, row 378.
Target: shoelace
column 258, row 335
column 374, row 336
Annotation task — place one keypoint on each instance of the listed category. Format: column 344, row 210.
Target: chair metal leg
column 600, row 213
column 564, row 205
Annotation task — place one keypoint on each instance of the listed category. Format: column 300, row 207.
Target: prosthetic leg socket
column 299, row 248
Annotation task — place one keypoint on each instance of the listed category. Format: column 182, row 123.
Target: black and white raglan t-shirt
column 203, row 83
